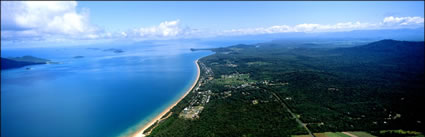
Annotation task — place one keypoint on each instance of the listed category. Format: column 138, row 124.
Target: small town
column 200, row 98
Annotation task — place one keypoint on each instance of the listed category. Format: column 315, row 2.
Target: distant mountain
column 416, row 34
column 17, row 62
column 374, row 35
column 387, row 47
column 393, row 45
column 400, row 54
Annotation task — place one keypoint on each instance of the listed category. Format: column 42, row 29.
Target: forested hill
column 389, row 48
column 392, row 45
column 272, row 89
column 408, row 54
column 17, row 62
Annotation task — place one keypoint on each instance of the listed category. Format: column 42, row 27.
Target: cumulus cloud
column 165, row 30
column 44, row 19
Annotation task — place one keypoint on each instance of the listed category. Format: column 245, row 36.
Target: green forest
column 283, row 89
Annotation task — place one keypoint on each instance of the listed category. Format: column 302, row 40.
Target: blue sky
column 228, row 15
column 73, row 22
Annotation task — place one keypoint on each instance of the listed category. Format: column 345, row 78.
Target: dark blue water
column 102, row 94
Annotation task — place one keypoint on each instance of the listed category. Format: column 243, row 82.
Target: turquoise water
column 102, row 94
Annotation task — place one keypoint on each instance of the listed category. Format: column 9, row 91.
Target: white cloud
column 347, row 26
column 403, row 20
column 44, row 19
column 300, row 28
column 124, row 34
column 165, row 30
column 388, row 23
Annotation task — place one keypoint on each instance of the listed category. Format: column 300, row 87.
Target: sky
column 71, row 21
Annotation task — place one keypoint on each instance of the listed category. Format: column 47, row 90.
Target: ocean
column 103, row 93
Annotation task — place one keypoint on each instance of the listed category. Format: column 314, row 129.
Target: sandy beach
column 139, row 133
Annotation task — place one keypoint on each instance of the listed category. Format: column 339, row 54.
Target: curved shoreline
column 139, row 133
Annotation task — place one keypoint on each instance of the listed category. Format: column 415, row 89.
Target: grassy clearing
column 362, row 134
column 258, row 63
column 235, row 79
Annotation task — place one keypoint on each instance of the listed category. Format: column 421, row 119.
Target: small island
column 114, row 50
column 78, row 57
column 199, row 49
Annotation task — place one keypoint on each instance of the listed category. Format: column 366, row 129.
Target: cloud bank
column 56, row 21
column 403, row 20
column 387, row 23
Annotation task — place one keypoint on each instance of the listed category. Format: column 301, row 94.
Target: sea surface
column 102, row 94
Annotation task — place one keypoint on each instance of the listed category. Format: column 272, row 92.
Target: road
column 292, row 114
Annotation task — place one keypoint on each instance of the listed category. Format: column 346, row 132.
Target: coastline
column 139, row 133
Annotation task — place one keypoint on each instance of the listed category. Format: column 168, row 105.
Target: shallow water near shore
column 101, row 94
